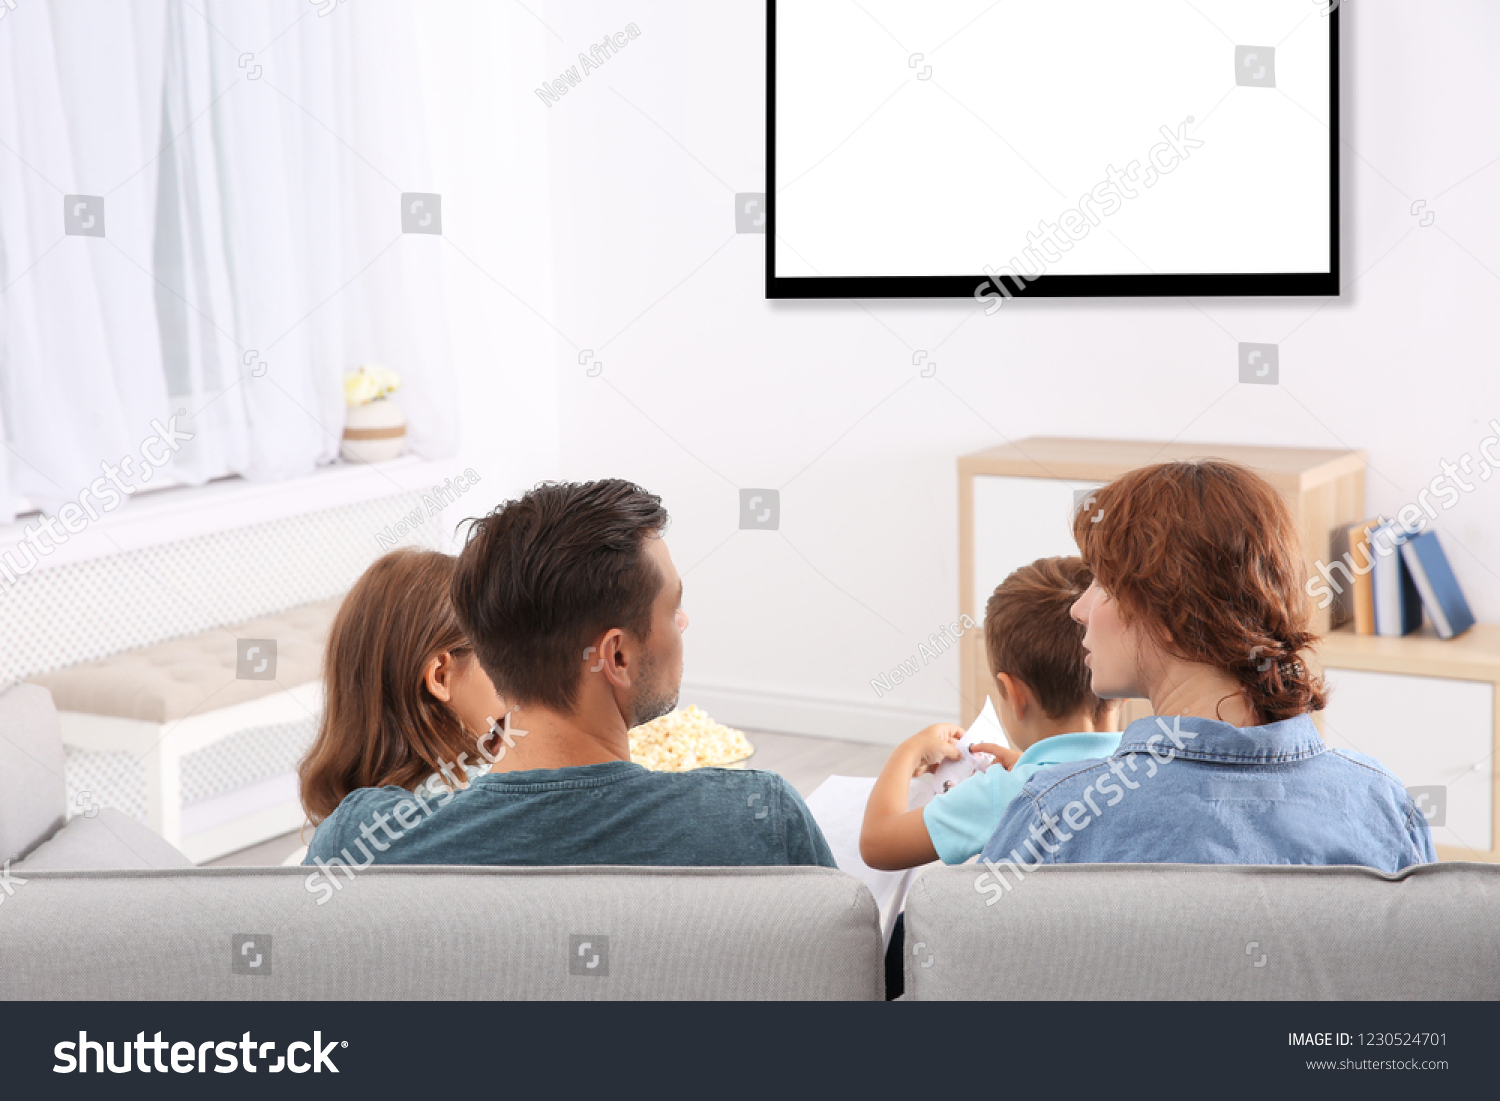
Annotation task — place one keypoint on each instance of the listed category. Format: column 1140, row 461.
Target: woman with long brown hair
column 1198, row 605
column 405, row 697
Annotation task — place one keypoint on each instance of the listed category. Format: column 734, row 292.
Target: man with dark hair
column 564, row 569
column 574, row 609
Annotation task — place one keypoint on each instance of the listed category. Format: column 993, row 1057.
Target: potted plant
column 374, row 425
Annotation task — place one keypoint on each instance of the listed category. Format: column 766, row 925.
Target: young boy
column 1048, row 710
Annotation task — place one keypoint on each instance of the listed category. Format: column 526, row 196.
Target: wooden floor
column 805, row 762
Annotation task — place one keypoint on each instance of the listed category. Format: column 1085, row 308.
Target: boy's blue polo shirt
column 960, row 821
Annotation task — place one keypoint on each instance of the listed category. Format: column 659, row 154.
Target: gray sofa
column 443, row 933
column 35, row 834
column 101, row 908
column 1137, row 932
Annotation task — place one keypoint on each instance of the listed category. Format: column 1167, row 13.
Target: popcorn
column 687, row 739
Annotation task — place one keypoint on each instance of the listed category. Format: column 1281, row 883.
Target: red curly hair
column 1206, row 558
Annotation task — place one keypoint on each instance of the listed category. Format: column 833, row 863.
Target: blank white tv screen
column 1052, row 147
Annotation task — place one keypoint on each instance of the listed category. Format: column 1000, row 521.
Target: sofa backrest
column 1180, row 931
column 417, row 933
column 31, row 770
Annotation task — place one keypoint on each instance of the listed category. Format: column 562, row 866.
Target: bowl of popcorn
column 683, row 740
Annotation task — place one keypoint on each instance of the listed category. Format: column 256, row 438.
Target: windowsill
column 169, row 515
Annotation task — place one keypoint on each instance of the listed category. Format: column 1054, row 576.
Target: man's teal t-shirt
column 613, row 813
column 960, row 821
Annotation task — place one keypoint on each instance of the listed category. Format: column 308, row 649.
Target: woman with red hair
column 1198, row 605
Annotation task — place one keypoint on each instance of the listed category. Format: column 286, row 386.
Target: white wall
column 489, row 165
column 707, row 387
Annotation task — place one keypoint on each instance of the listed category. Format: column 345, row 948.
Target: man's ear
column 609, row 657
column 1014, row 691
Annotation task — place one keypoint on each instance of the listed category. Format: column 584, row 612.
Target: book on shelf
column 1340, row 579
column 1422, row 556
column 1354, row 595
column 1398, row 604
column 1364, row 589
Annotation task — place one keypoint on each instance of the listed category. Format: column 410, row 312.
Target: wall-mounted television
column 1052, row 148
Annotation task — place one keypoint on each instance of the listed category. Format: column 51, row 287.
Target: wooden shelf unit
column 1473, row 655
column 1472, row 658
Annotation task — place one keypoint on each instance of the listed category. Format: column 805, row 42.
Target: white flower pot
column 373, row 433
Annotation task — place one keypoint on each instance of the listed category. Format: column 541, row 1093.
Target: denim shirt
column 1197, row 791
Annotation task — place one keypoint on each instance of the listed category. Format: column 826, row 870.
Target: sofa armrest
column 32, row 793
column 109, row 841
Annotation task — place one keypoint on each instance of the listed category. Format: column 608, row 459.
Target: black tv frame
column 1197, row 285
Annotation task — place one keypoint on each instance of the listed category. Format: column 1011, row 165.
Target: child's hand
column 1005, row 756
column 934, row 745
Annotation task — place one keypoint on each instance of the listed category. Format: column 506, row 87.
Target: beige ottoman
column 199, row 737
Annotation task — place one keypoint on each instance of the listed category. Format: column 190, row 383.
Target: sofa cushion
column 1139, row 932
column 109, row 840
column 443, row 933
column 32, row 795
column 187, row 676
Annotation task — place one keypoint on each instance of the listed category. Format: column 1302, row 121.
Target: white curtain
column 80, row 359
column 251, row 156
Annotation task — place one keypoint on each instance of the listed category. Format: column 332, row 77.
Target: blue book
column 1398, row 604
column 1430, row 571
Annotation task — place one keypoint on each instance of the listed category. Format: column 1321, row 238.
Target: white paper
column 985, row 728
column 838, row 806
